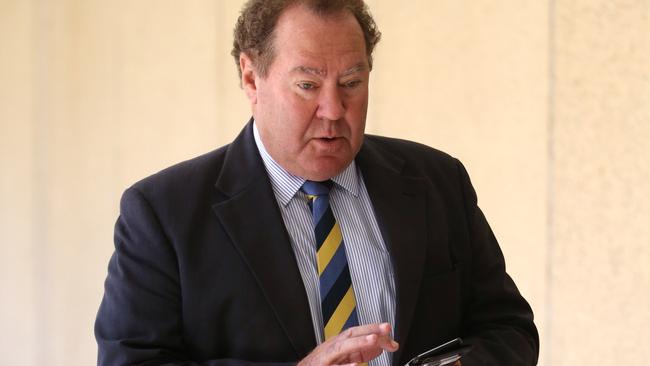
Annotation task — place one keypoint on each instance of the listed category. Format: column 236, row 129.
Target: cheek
column 298, row 113
column 291, row 123
column 356, row 115
column 300, row 105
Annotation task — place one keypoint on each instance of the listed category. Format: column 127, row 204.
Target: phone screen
column 444, row 354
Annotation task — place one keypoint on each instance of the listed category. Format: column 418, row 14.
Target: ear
column 248, row 77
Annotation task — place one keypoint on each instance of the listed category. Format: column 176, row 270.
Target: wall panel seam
column 41, row 29
column 550, row 189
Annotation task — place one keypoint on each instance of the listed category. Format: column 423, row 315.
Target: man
column 226, row 259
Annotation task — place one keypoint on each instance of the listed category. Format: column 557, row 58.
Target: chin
column 326, row 170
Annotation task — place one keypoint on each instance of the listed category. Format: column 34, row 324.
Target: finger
column 355, row 349
column 341, row 350
column 388, row 344
column 362, row 330
column 366, row 348
column 357, row 344
column 383, row 331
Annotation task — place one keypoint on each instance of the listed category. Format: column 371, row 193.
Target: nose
column 330, row 104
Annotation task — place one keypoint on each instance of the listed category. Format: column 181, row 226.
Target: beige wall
column 546, row 102
column 600, row 218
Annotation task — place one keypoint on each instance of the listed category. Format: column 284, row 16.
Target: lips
column 328, row 139
column 329, row 143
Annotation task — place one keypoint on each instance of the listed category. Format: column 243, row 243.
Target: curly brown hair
column 255, row 27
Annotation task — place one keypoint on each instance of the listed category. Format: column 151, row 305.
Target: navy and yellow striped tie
column 337, row 296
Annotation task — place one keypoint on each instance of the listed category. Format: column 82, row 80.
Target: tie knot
column 317, row 188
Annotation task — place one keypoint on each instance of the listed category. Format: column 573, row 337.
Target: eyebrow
column 356, row 68
column 319, row 72
column 308, row 70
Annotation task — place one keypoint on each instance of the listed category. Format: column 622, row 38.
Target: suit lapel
column 249, row 214
column 400, row 207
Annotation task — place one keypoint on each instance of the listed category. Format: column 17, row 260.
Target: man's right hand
column 353, row 346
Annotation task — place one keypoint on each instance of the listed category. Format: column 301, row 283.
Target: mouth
column 328, row 143
column 328, row 139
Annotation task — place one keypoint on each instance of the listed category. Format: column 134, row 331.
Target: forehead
column 302, row 36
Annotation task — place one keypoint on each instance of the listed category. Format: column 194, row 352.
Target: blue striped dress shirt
column 369, row 261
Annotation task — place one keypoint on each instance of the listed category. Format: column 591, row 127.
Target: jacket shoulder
column 414, row 155
column 190, row 176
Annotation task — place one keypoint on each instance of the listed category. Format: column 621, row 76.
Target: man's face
column 311, row 108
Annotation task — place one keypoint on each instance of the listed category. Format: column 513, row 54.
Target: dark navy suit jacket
column 203, row 271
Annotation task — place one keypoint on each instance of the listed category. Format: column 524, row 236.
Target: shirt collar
column 286, row 185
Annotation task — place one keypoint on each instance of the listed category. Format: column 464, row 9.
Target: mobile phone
column 444, row 354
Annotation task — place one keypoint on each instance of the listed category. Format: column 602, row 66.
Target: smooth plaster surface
column 547, row 103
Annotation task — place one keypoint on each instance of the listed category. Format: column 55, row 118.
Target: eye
column 305, row 85
column 351, row 84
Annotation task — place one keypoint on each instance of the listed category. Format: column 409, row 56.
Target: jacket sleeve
column 140, row 317
column 497, row 320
